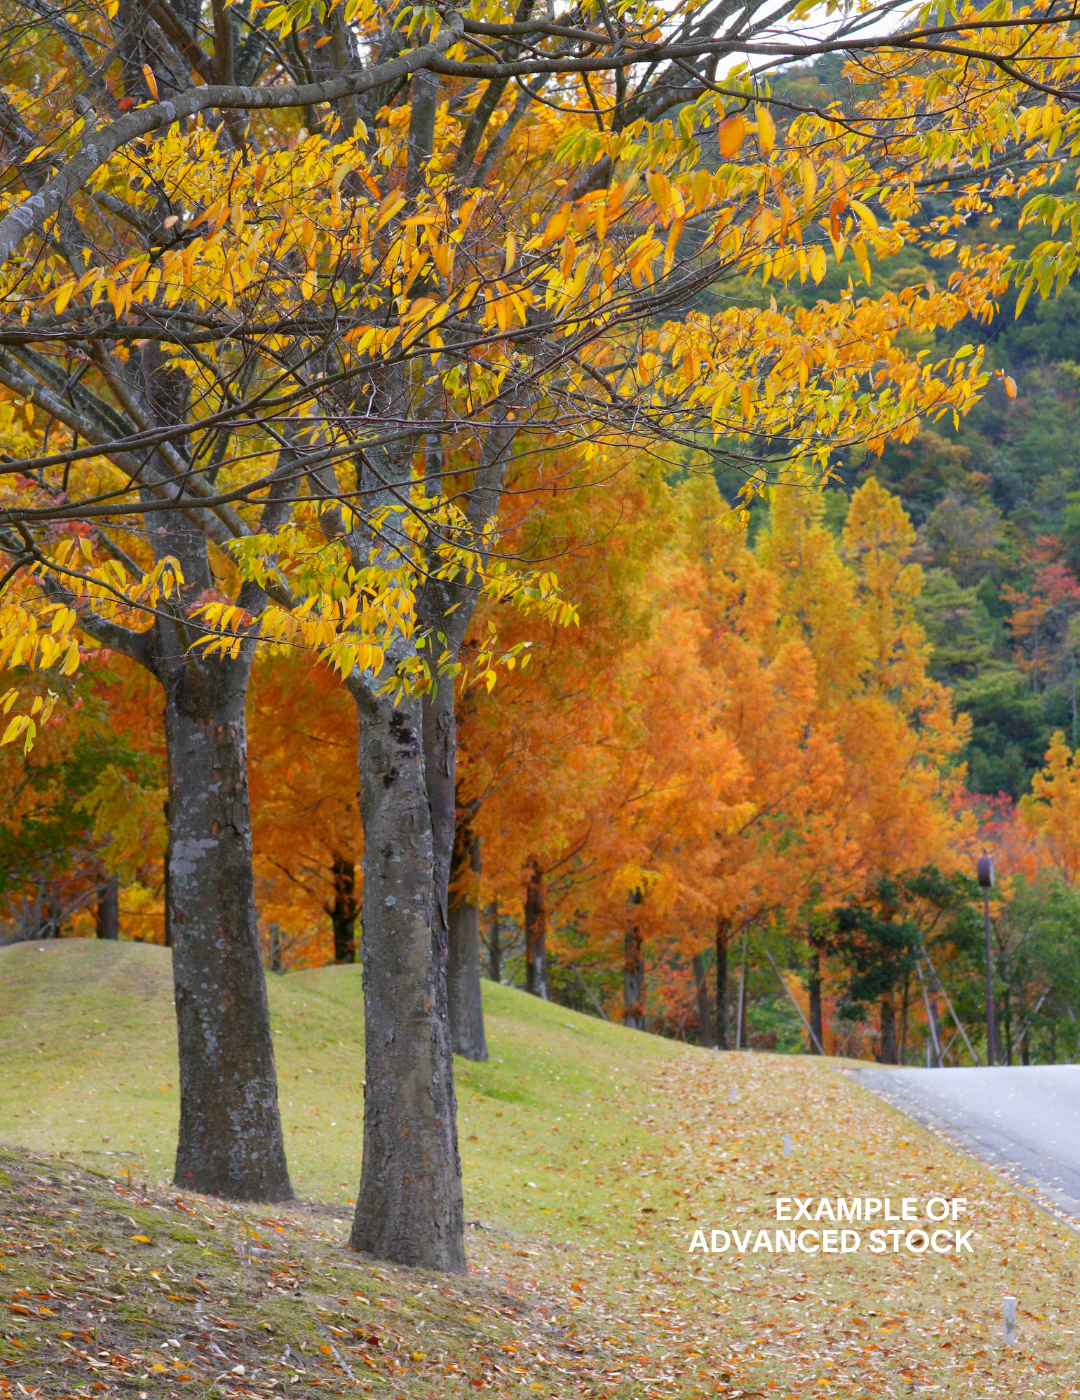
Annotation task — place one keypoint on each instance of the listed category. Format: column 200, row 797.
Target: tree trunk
column 535, row 932
column 633, row 971
column 108, row 909
column 495, row 945
column 167, row 928
column 888, row 1031
column 463, row 963
column 344, row 909
column 723, row 930
column 409, row 1208
column 704, row 1010
column 230, row 1141
column 50, row 918
column 814, row 983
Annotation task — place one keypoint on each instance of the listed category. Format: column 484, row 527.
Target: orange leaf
column 1010, row 386
column 730, row 134
column 557, row 224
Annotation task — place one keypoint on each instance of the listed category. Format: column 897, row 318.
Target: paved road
column 1024, row 1120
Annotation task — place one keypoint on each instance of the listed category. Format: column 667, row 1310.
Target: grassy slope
column 591, row 1154
column 88, row 1041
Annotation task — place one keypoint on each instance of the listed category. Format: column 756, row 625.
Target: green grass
column 87, row 1036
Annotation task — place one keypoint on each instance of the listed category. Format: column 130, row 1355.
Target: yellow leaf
column 389, row 207
column 700, row 189
column 151, row 81
column 746, row 399
column 660, row 189
column 858, row 247
column 19, row 725
column 766, row 130
column 511, row 253
column 730, row 135
column 865, row 214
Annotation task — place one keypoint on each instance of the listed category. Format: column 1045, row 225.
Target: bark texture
column 723, row 932
column 704, row 1010
column 495, row 945
column 814, row 986
column 633, row 971
column 344, row 910
column 409, row 1208
column 108, row 909
column 535, row 931
column 463, row 963
column 888, row 1031
column 230, row 1141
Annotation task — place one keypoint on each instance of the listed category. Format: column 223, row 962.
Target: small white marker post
column 1008, row 1322
column 787, row 1144
column 734, row 1094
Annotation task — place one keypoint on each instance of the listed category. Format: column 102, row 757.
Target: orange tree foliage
column 302, row 737
column 756, row 735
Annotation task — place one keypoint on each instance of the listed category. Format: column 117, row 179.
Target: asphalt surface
column 1023, row 1120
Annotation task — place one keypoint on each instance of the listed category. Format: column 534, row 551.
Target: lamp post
column 985, row 871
